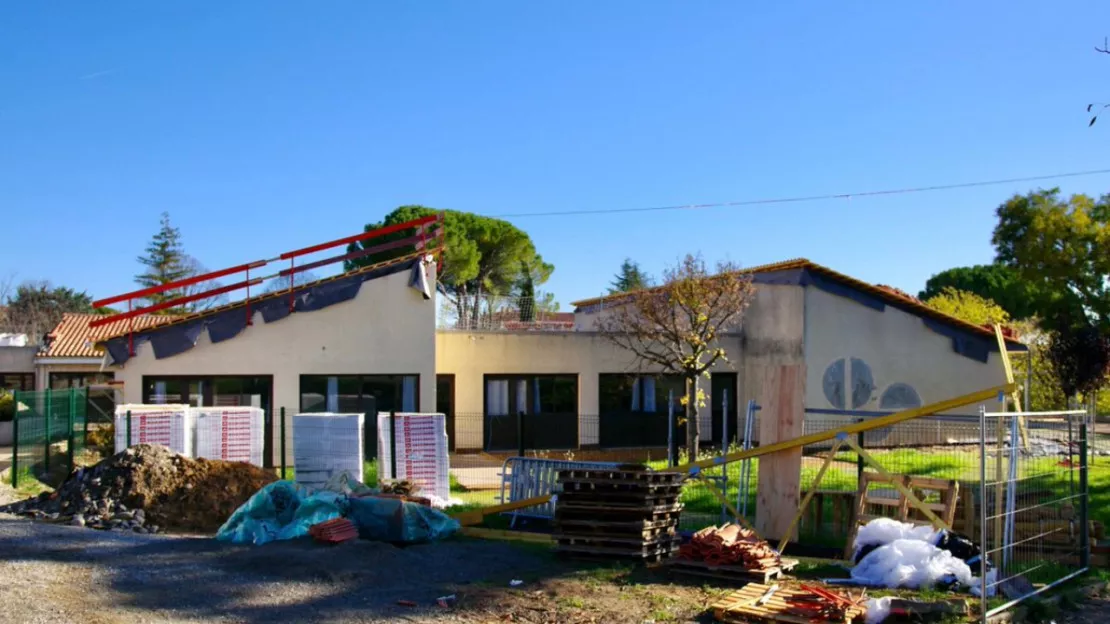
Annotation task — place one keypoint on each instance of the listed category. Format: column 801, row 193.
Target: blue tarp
column 284, row 510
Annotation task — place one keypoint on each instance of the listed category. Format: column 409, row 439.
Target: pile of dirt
column 147, row 489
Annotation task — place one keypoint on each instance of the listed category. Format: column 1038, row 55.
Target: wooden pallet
column 601, row 541
column 647, row 553
column 601, row 509
column 642, row 476
column 740, row 607
column 731, row 573
column 620, row 518
column 618, row 484
column 597, row 529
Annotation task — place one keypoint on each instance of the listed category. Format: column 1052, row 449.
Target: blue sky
column 267, row 126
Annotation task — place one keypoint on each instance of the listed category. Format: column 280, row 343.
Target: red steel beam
column 412, row 240
column 175, row 302
column 189, row 281
column 360, row 237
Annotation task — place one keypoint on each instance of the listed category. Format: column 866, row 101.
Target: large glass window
column 17, row 381
column 542, row 407
column 360, row 393
column 64, row 381
column 634, row 409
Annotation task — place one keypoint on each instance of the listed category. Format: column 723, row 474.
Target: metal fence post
column 1084, row 508
column 520, row 433
column 49, row 408
column 983, row 513
column 672, row 443
column 859, row 458
column 127, row 442
column 70, row 441
column 392, row 446
column 15, row 439
column 281, row 429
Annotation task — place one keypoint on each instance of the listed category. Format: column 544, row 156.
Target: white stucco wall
column 17, row 359
column 896, row 345
column 387, row 329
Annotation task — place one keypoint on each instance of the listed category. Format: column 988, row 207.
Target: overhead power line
column 808, row 198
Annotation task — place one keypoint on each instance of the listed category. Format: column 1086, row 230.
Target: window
column 634, row 409
column 638, row 393
column 64, row 381
column 899, row 396
column 229, row 391
column 360, row 393
column 542, row 407
column 17, row 381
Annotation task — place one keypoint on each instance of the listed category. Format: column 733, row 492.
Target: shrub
column 102, row 437
column 7, row 406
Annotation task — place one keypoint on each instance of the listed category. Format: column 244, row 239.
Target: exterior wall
column 387, row 329
column 771, row 335
column 17, row 359
column 44, row 368
column 897, row 347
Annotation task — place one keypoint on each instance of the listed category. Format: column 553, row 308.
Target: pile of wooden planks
column 334, row 531
column 731, row 553
column 617, row 514
column 805, row 605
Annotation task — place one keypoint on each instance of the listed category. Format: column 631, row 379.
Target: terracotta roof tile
column 72, row 337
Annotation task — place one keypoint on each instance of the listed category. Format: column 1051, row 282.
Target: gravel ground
column 67, row 574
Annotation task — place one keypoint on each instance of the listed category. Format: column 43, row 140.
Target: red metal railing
column 428, row 236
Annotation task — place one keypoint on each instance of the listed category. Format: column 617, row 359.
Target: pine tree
column 165, row 261
column 631, row 277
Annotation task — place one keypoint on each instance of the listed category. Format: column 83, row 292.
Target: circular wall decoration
column 833, row 383
column 863, row 383
column 899, row 396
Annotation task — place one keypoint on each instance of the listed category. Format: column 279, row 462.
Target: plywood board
column 782, row 418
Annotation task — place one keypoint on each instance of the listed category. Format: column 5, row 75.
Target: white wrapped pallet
column 325, row 445
column 170, row 426
column 421, row 452
column 229, row 433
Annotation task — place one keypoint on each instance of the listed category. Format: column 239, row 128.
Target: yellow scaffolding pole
column 860, row 427
column 1008, row 368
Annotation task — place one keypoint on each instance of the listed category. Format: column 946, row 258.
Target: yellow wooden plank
column 476, row 516
column 514, row 536
column 1009, row 370
column 867, row 425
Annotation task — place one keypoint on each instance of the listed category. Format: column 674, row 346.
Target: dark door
column 723, row 402
column 445, row 404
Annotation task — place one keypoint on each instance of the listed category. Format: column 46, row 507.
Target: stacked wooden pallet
column 617, row 514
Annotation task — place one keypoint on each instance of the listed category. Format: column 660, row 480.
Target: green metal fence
column 49, row 429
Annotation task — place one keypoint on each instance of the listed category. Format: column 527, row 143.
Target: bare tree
column 192, row 267
column 677, row 326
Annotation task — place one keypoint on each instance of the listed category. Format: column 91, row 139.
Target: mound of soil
column 147, row 489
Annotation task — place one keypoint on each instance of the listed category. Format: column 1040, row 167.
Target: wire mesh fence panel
column 1032, row 517
column 48, row 431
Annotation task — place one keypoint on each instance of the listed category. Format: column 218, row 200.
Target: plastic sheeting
column 911, row 563
column 284, row 510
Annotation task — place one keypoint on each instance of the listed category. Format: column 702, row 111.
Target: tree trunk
column 692, row 429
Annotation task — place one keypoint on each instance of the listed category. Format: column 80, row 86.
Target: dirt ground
column 54, row 573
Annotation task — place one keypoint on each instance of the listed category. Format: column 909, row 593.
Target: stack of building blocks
column 421, row 453
column 334, row 531
column 617, row 514
column 326, row 445
column 229, row 433
column 170, row 426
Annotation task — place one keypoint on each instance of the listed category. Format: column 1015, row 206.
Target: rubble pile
column 730, row 545
column 147, row 489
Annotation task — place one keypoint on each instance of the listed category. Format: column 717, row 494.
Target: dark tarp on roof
column 226, row 324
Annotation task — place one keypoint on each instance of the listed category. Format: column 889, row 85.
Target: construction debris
column 730, row 544
column 803, row 605
column 730, row 553
column 334, row 531
column 147, row 489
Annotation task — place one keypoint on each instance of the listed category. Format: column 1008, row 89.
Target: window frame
column 360, row 379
